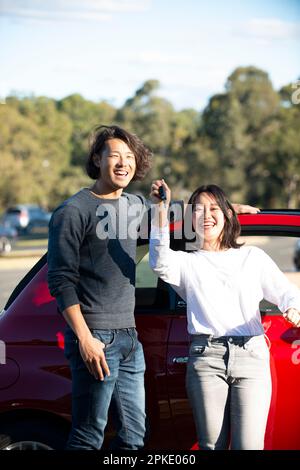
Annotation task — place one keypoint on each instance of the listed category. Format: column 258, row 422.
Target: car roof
column 272, row 217
column 266, row 218
column 271, row 222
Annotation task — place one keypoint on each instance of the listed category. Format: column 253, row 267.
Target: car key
column 162, row 193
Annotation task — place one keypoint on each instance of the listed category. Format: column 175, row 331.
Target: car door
column 177, row 357
column 283, row 428
column 276, row 232
column 153, row 319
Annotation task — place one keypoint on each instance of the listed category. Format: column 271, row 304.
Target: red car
column 35, row 385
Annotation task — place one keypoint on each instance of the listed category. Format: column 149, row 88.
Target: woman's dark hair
column 104, row 133
column 232, row 228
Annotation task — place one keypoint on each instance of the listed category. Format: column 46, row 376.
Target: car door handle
column 180, row 360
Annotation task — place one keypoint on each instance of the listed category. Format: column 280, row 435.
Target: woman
column 228, row 374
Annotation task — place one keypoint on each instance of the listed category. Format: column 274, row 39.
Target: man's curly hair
column 101, row 134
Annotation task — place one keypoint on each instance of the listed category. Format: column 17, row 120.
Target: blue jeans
column 229, row 387
column 91, row 398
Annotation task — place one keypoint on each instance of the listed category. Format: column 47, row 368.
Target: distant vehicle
column 297, row 255
column 7, row 238
column 27, row 218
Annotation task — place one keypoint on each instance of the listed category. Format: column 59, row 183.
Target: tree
column 278, row 149
column 85, row 116
column 254, row 91
column 150, row 117
column 234, row 122
column 246, row 140
column 35, row 144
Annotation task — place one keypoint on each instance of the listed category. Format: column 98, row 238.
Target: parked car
column 27, row 218
column 35, row 383
column 297, row 255
column 8, row 236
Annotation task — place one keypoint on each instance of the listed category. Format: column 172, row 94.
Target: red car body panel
column 36, row 376
column 270, row 219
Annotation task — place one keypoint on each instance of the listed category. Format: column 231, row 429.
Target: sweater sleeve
column 276, row 287
column 66, row 230
column 168, row 264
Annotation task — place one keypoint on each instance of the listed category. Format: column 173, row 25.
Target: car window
column 36, row 212
column 285, row 252
column 282, row 251
column 151, row 292
column 145, row 277
column 13, row 211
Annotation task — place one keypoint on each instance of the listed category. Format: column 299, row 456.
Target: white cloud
column 268, row 29
column 212, row 78
column 159, row 58
column 181, row 69
column 70, row 10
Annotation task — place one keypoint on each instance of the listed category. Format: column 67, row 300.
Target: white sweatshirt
column 222, row 289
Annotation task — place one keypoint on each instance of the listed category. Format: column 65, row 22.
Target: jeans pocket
column 70, row 344
column 257, row 348
column 107, row 337
column 70, row 348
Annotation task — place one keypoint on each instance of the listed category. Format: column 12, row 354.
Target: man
column 91, row 272
column 92, row 277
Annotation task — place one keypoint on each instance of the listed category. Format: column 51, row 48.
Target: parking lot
column 11, row 272
column 13, row 267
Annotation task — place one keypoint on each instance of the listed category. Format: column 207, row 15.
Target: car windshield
column 13, row 211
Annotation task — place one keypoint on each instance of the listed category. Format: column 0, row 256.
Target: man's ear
column 96, row 160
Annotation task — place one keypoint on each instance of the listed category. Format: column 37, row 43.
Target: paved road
column 12, row 270
column 9, row 279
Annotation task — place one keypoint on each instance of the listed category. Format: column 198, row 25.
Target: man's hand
column 292, row 315
column 91, row 349
column 154, row 195
column 159, row 216
column 244, row 209
column 92, row 353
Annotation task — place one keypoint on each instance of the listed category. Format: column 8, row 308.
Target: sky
column 106, row 49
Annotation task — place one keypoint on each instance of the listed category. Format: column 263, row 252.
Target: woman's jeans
column 124, row 387
column 229, row 387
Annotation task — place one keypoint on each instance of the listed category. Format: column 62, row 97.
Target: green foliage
column 35, row 148
column 84, row 116
column 246, row 140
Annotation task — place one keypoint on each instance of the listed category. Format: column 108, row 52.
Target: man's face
column 117, row 164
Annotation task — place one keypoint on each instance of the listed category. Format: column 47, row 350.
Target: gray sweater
column 91, row 257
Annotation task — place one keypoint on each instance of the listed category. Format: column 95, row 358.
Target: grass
column 31, row 243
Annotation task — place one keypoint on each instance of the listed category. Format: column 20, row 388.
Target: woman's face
column 208, row 218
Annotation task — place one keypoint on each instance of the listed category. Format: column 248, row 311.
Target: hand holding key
column 160, row 192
